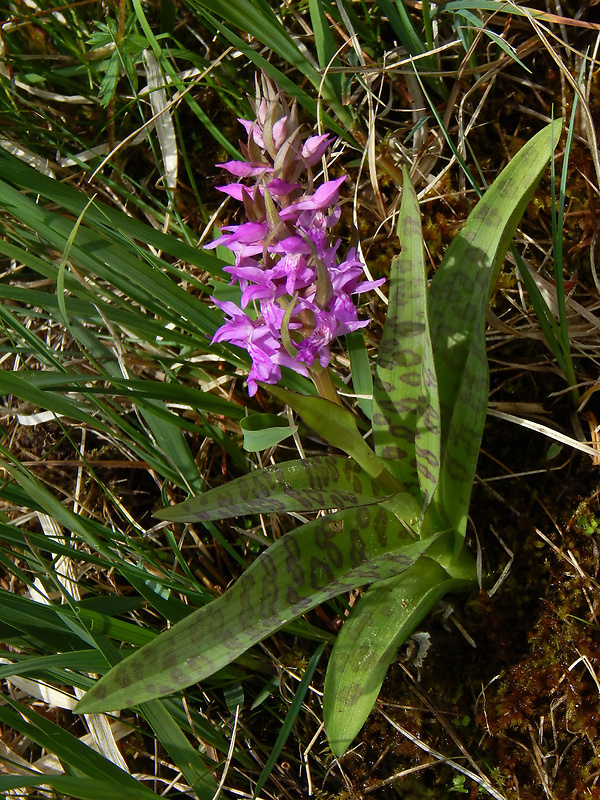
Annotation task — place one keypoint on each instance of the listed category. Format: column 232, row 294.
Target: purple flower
column 286, row 262
column 242, row 169
column 324, row 197
column 267, row 353
column 314, row 148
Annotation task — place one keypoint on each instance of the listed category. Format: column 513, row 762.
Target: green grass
column 106, row 323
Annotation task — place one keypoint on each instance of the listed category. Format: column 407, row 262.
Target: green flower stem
column 337, row 425
column 321, row 377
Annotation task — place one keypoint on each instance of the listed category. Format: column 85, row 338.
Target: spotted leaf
column 308, row 485
column 323, row 558
column 457, row 307
column 406, row 415
column 368, row 642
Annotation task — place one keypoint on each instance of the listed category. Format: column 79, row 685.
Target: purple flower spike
column 286, row 262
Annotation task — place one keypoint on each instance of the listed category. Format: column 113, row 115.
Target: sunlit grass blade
column 16, row 384
column 458, row 298
column 321, row 559
column 307, row 485
column 406, row 414
column 185, row 756
column 168, row 439
column 117, row 264
column 115, row 225
column 12, row 535
column 86, row 308
column 21, row 333
column 259, row 20
column 84, row 660
column 25, row 622
column 74, row 754
column 166, row 434
column 19, row 386
column 87, row 529
column 369, row 639
column 135, row 388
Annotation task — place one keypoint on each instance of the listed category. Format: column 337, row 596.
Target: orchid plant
column 396, row 513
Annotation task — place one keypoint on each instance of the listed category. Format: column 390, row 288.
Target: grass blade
column 290, row 718
column 80, row 788
column 402, row 25
column 113, row 222
column 259, row 20
column 185, row 756
column 325, row 45
column 69, row 749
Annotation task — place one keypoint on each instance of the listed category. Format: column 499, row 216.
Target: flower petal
column 244, row 169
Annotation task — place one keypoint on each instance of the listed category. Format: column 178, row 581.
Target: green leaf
column 457, row 306
column 80, row 788
column 168, row 732
column 384, row 617
column 406, row 417
column 330, row 555
column 68, row 748
column 337, row 426
column 265, row 430
column 308, row 485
